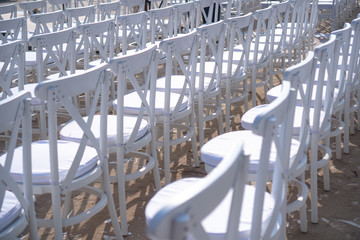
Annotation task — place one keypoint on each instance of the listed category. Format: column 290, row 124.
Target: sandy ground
column 339, row 208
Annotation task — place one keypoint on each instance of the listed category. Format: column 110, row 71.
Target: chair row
column 274, row 148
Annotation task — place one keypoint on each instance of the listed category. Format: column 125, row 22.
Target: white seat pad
column 41, row 161
column 215, row 150
column 215, row 224
column 30, row 87
column 72, row 132
column 133, row 102
column 10, row 210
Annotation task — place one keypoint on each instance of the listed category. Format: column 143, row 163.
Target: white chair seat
column 215, row 224
column 30, row 87
column 30, row 58
column 133, row 102
column 72, row 132
column 10, row 210
column 56, row 75
column 41, row 162
column 215, row 150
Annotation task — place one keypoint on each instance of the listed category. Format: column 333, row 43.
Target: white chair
column 260, row 215
column 61, row 167
column 174, row 104
column 235, row 63
column 12, row 74
column 80, row 15
column 13, row 29
column 83, row 3
column 260, row 51
column 33, row 7
column 208, row 77
column 127, row 133
column 204, row 12
column 132, row 6
column 48, row 22
column 153, row 4
column 184, row 20
column 108, row 10
column 8, row 11
column 17, row 209
column 57, row 5
column 352, row 92
column 214, row 151
column 131, row 32
column 330, row 9
column 161, row 23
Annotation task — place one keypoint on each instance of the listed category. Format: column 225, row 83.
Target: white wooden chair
column 352, row 90
column 61, row 167
column 83, row 3
column 208, row 76
column 48, row 22
column 80, row 15
column 133, row 126
column 255, row 214
column 33, row 7
column 235, row 63
column 330, row 9
column 108, row 10
column 184, row 20
column 132, row 6
column 8, row 11
column 161, row 24
column 174, row 104
column 204, row 12
column 58, row 5
column 13, row 29
column 131, row 32
column 17, row 209
column 214, row 150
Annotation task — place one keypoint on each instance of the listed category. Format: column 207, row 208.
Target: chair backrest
column 181, row 217
column 161, row 23
column 80, row 15
column 204, row 12
column 132, row 6
column 108, row 10
column 343, row 37
column 239, row 32
column 133, row 31
column 83, row 3
column 157, row 4
column 48, row 22
column 184, row 20
column 126, row 69
column 33, row 7
column 175, row 48
column 281, row 17
column 222, row 9
column 60, row 52
column 212, row 40
column 354, row 67
column 97, row 41
column 8, row 11
column 12, row 64
column 263, row 25
column 17, row 121
column 13, row 29
column 57, row 5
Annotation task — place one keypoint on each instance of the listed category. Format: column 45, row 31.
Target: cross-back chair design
column 108, row 10
column 17, row 205
column 63, row 167
column 131, row 32
column 184, row 20
column 83, row 3
column 132, row 6
column 97, row 40
column 310, row 24
column 58, row 5
column 153, row 4
column 235, row 63
column 204, row 12
column 13, row 29
column 260, row 50
column 213, row 151
column 8, row 11
column 174, row 106
column 279, row 33
column 80, row 15
column 208, row 79
column 161, row 23
column 12, row 62
column 33, row 7
column 352, row 93
column 249, row 220
column 222, row 9
column 133, row 126
column 48, row 22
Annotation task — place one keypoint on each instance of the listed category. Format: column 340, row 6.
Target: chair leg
column 121, row 190
column 302, row 211
column 253, row 86
column 338, row 138
column 193, row 141
column 166, row 149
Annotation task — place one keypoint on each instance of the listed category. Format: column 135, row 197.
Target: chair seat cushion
column 10, row 210
column 72, row 132
column 30, row 87
column 133, row 103
column 215, row 224
column 215, row 150
column 41, row 161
